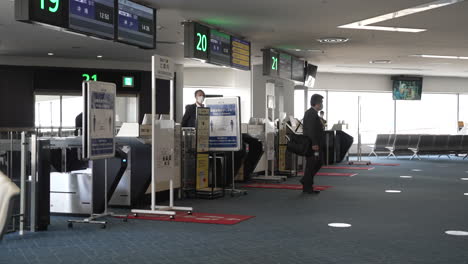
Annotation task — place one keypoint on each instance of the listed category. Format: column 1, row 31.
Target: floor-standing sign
column 98, row 133
column 203, row 143
column 162, row 154
column 225, row 129
column 270, row 132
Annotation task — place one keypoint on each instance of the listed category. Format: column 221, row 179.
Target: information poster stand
column 225, row 130
column 359, row 160
column 163, row 69
column 270, row 132
column 98, row 135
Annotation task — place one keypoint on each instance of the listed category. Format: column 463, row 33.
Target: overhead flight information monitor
column 285, row 66
column 220, row 48
column 240, row 54
column 196, row 41
column 136, row 24
column 297, row 70
column 50, row 12
column 94, row 17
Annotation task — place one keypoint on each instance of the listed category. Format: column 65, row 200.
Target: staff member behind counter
column 190, row 115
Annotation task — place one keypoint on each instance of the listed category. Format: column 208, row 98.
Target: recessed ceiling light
column 50, row 54
column 456, row 233
column 364, row 24
column 393, row 191
column 339, row 225
column 464, row 179
column 406, row 177
column 99, row 56
column 333, row 40
column 440, row 57
column 380, row 61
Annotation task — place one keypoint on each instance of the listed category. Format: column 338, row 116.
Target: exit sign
column 127, row 81
column 50, row 12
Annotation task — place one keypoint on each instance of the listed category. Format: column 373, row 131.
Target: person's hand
column 315, row 147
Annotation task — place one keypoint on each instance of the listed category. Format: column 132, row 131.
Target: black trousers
column 313, row 165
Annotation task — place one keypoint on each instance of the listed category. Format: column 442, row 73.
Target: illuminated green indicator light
column 127, row 81
column 52, row 9
column 274, row 64
column 88, row 77
column 202, row 42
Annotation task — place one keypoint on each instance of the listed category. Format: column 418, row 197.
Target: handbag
column 300, row 145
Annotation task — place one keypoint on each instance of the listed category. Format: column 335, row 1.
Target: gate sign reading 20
column 201, row 42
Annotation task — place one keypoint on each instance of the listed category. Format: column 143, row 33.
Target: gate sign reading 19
column 52, row 12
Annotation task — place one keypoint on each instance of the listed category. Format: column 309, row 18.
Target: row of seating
column 8, row 191
column 416, row 145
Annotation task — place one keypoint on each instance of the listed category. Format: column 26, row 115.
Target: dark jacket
column 313, row 127
column 190, row 116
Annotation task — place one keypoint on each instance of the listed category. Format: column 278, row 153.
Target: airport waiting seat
column 391, row 140
column 425, row 146
column 381, row 142
column 441, row 145
column 413, row 141
column 400, row 146
column 464, row 146
column 455, row 144
column 8, row 191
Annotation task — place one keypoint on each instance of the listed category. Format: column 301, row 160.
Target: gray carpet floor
column 289, row 227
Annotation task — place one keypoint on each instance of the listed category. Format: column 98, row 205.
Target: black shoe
column 311, row 191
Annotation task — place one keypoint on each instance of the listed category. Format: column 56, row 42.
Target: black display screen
column 220, row 48
column 297, row 70
column 52, row 12
column 201, row 45
column 136, row 24
column 94, row 17
column 285, row 66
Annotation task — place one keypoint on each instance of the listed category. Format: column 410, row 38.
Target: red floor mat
column 330, row 174
column 386, row 164
column 220, row 219
column 283, row 186
column 336, row 174
column 347, row 168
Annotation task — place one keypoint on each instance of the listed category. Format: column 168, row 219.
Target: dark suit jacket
column 190, row 116
column 313, row 127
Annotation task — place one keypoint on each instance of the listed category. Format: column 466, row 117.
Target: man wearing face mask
column 313, row 129
column 190, row 115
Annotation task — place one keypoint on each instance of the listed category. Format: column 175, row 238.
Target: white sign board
column 163, row 67
column 225, row 130
column 98, row 119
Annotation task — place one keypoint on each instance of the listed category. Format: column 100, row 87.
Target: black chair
column 425, row 146
column 455, row 144
column 464, row 145
column 400, row 146
column 441, row 145
column 381, row 142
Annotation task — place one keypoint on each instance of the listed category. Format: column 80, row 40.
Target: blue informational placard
column 225, row 134
column 99, row 123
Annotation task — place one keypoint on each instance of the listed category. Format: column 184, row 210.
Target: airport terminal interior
column 171, row 131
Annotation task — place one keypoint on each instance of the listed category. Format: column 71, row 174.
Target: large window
column 433, row 114
column 59, row 111
column 463, row 112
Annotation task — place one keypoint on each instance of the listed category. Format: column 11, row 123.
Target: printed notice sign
column 225, row 134
column 99, row 119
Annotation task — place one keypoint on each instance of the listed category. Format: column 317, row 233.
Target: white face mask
column 200, row 99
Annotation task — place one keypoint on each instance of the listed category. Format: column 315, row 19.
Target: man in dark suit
column 313, row 129
column 190, row 115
